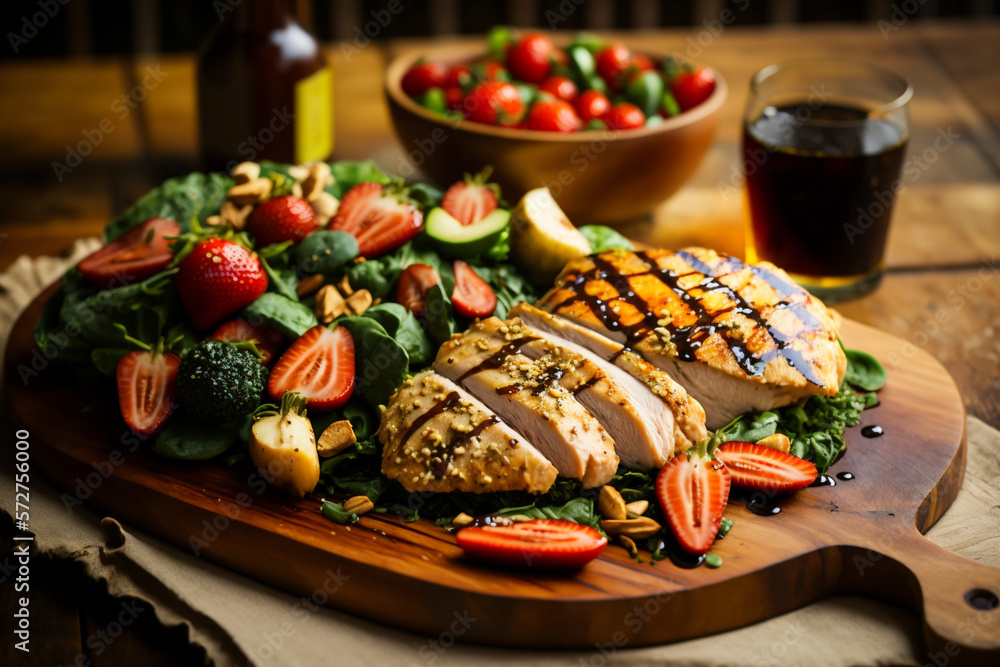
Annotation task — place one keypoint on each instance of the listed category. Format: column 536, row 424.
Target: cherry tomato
column 692, row 88
column 611, row 63
column 473, row 296
column 560, row 87
column 625, row 117
column 453, row 97
column 553, row 544
column 458, row 75
column 422, row 77
column 137, row 254
column 553, row 116
column 592, row 105
column 493, row 102
column 528, row 58
column 414, row 283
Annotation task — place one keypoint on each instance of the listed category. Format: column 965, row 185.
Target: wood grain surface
column 863, row 535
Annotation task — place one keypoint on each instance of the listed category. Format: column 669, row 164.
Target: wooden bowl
column 597, row 176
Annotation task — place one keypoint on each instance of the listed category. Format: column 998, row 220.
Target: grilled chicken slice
column 665, row 419
column 762, row 341
column 438, row 438
column 528, row 393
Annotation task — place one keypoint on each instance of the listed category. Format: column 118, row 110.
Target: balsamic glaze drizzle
column 688, row 339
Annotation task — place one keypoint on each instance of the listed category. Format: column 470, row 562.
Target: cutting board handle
column 958, row 598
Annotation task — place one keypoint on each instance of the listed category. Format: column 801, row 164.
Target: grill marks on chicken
column 749, row 323
column 438, row 438
column 534, row 386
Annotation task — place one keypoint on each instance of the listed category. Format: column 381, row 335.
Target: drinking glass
column 823, row 144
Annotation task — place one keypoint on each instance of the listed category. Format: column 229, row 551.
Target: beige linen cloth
column 240, row 621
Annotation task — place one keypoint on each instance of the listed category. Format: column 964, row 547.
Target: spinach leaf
column 287, row 316
column 178, row 199
column 603, row 238
column 438, row 315
column 193, row 440
column 325, row 251
column 378, row 276
column 105, row 359
column 426, row 195
column 402, row 325
column 281, row 281
column 864, row 371
column 758, row 427
column 347, row 174
column 382, row 363
column 579, row 510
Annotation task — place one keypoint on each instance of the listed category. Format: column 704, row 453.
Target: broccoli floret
column 220, row 381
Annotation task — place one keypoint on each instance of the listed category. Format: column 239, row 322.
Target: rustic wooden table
column 940, row 292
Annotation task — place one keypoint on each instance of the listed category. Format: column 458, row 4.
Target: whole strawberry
column 217, row 279
column 282, row 219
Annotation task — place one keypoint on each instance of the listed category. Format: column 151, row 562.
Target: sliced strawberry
column 473, row 296
column 267, row 340
column 217, row 279
column 281, row 219
column 761, row 468
column 472, row 199
column 379, row 218
column 137, row 254
column 414, row 283
column 147, row 387
column 693, row 493
column 553, row 544
column 320, row 366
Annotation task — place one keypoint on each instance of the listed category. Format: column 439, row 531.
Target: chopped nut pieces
column 360, row 301
column 345, row 287
column 637, row 529
column 329, row 304
column 245, row 172
column 317, row 179
column 777, row 441
column 359, row 505
column 636, row 509
column 610, row 503
column 462, row 520
column 235, row 216
column 629, row 544
column 337, row 437
column 213, row 220
column 325, row 205
column 309, row 284
column 251, row 192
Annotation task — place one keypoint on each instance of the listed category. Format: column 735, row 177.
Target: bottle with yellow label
column 264, row 90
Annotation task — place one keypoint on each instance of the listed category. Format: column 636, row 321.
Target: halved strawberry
column 472, row 199
column 473, row 296
column 320, row 366
column 761, row 468
column 693, row 493
column 267, row 340
column 218, row 278
column 381, row 219
column 137, row 254
column 281, row 219
column 414, row 283
column 147, row 387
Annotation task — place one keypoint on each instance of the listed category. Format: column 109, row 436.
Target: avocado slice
column 453, row 239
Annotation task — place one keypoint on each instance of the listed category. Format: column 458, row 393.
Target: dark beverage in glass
column 822, row 172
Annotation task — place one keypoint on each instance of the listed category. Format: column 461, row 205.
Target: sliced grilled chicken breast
column 759, row 340
column 438, row 438
column 528, row 394
column 666, row 419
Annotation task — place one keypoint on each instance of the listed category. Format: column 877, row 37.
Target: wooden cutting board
column 861, row 536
